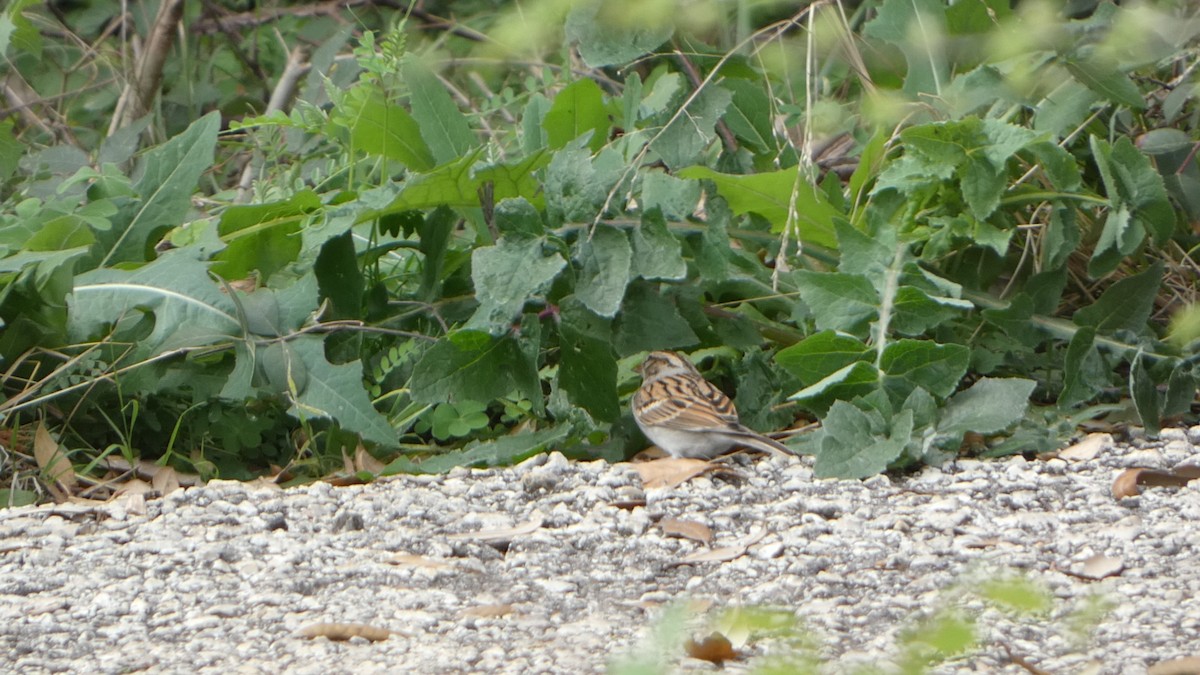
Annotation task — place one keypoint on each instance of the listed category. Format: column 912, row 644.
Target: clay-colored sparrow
column 685, row 415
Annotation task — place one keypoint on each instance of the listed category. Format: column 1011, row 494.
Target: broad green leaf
column 856, row 446
column 1144, row 392
column 937, row 368
column 917, row 28
column 339, row 278
column 576, row 185
column 1181, row 390
column 676, row 198
column 1016, row 320
column 500, row 452
column 915, row 312
column 1064, row 108
column 1126, row 305
column 506, row 276
column 10, row 497
column 262, row 236
column 533, row 132
column 10, row 149
column 606, row 260
column 435, row 231
column 587, row 371
column 838, row 301
column 188, row 308
column 749, row 115
column 857, row 379
column 336, row 392
column 442, row 124
column 577, row 110
column 864, row 254
column 457, row 184
column 649, row 321
column 166, row 179
column 19, row 32
column 685, row 138
column 768, row 195
column 820, row 355
column 1083, row 370
column 470, row 365
column 380, row 128
column 607, row 37
column 518, row 218
column 1105, row 79
column 656, row 252
column 989, row 406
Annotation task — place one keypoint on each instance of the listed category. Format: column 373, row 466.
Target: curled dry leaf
column 672, row 471
column 715, row 648
column 165, row 481
column 503, row 534
column 52, row 459
column 1131, row 481
column 1088, row 448
column 488, row 611
column 344, row 631
column 1187, row 665
column 1100, row 567
column 688, row 529
column 725, row 553
column 411, row 560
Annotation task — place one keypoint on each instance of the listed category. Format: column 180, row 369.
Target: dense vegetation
column 318, row 239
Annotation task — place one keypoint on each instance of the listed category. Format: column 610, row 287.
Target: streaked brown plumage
column 685, row 415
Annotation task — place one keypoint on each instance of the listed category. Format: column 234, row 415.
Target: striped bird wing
column 688, row 404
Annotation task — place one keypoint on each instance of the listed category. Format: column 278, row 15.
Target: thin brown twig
column 139, row 93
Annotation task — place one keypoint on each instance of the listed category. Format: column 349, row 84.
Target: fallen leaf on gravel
column 488, row 611
column 715, row 648
column 133, row 486
column 1131, row 481
column 688, row 529
column 1187, row 665
column 503, row 534
column 672, row 471
column 52, row 459
column 725, row 553
column 421, row 561
column 1088, row 448
column 165, row 481
column 344, row 631
column 1100, row 567
column 147, row 470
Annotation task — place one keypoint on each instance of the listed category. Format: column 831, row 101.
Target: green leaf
column 587, row 371
column 1181, row 390
column 855, row 443
column 166, row 178
column 1126, row 305
column 506, row 276
column 656, row 252
column 917, row 28
column 435, row 231
column 676, row 198
column 533, row 131
column 518, row 218
column 1105, row 79
column 606, row 258
column 18, row 31
column 11, row 150
column 864, row 254
column 820, row 355
column 649, row 322
column 988, row 407
column 339, row 278
column 443, row 126
column 384, row 129
column 457, row 185
column 336, row 392
column 838, row 301
column 1144, row 392
column 937, row 368
column 768, row 195
column 576, row 186
column 577, row 110
column 684, row 139
column 749, row 115
column 607, row 37
column 188, row 308
column 500, row 452
column 1083, row 370
column 857, row 379
column 471, row 365
column 915, row 312
column 262, row 236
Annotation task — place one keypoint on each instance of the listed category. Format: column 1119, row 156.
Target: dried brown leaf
column 1100, row 567
column 52, row 459
column 1131, row 481
column 503, row 534
column 133, row 486
column 688, row 529
column 488, row 611
column 725, row 553
column 672, row 471
column 1088, row 448
column 715, row 648
column 344, row 631
column 165, row 480
column 1187, row 665
column 363, row 461
column 411, row 560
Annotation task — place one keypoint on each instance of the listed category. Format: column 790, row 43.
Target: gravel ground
column 225, row 578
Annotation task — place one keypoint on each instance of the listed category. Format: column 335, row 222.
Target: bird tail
column 767, row 445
